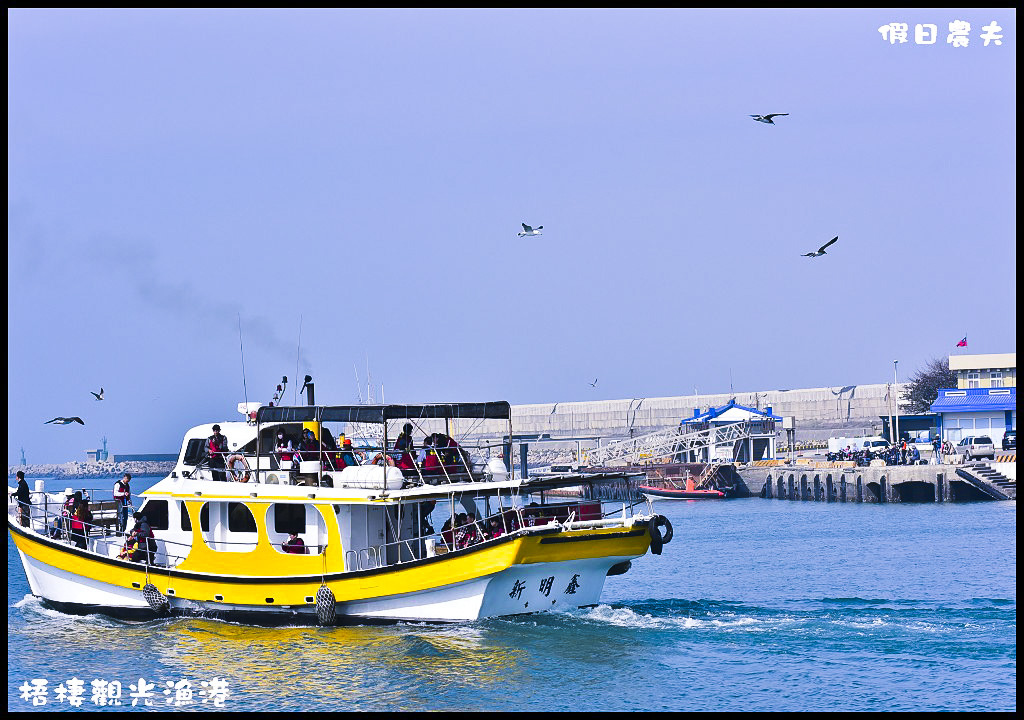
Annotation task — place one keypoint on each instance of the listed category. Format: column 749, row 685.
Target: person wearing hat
column 217, row 449
column 24, row 499
column 347, row 457
column 123, row 498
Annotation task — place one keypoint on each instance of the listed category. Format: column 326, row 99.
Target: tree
column 923, row 388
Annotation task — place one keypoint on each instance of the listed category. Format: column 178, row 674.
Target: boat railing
column 461, row 466
column 102, row 536
column 505, row 522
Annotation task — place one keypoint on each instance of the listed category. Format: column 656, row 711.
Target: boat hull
column 509, row 576
column 667, row 494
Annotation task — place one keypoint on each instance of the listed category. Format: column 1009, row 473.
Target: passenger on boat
column 468, row 533
column 405, row 448
column 308, row 443
column 81, row 519
column 24, row 499
column 140, row 545
column 431, row 462
column 62, row 523
column 494, row 529
column 217, row 448
column 446, row 533
column 294, row 545
column 123, row 498
column 347, row 457
column 284, row 449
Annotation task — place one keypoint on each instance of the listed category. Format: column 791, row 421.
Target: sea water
column 756, row 604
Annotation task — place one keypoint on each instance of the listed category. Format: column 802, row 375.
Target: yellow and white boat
column 509, row 544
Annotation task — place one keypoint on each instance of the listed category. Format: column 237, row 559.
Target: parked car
column 975, row 447
column 1010, row 440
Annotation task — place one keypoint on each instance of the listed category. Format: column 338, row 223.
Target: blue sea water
column 756, row 604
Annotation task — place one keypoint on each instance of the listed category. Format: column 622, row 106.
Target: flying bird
column 767, row 118
column 530, row 230
column 821, row 250
column 64, row 421
column 99, row 395
column 594, row 384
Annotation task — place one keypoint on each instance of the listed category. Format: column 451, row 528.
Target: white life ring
column 238, row 475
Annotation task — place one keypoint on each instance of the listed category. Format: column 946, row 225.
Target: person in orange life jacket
column 217, row 448
column 123, row 498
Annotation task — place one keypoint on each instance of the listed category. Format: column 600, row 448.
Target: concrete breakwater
column 887, row 484
column 88, row 470
column 819, row 412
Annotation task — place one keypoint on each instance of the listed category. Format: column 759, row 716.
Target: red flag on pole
column 962, row 343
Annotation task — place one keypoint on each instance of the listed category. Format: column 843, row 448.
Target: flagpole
column 896, row 398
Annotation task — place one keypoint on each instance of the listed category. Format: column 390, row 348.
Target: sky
column 203, row 201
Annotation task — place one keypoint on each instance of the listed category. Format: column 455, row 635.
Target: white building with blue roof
column 758, row 445
column 976, row 411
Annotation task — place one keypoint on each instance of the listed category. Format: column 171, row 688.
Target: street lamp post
column 896, row 397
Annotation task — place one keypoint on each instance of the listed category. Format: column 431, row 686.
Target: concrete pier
column 889, row 484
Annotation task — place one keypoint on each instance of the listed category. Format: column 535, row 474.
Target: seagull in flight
column 594, row 384
column 821, row 250
column 64, row 421
column 530, row 230
column 99, row 395
column 767, row 118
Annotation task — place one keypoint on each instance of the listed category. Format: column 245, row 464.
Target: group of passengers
column 309, row 448
column 439, row 451
column 468, row 531
column 75, row 518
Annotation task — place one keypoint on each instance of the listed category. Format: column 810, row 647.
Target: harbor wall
column 818, row 412
column 888, row 484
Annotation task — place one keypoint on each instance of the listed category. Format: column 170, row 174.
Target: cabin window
column 156, row 514
column 204, row 518
column 289, row 518
column 186, row 521
column 240, row 518
column 194, row 451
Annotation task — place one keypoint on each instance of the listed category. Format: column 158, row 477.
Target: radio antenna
column 297, row 349
column 241, row 352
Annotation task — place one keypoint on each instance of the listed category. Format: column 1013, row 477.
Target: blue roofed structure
column 971, row 412
column 758, row 445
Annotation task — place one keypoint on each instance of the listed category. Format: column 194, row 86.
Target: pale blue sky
column 367, row 171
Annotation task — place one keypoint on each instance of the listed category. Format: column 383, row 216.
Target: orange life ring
column 237, row 475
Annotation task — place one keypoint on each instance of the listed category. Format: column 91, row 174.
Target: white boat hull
column 520, row 589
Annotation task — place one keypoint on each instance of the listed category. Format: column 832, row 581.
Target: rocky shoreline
column 87, row 470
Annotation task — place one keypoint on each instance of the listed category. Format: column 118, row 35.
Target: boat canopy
column 499, row 410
